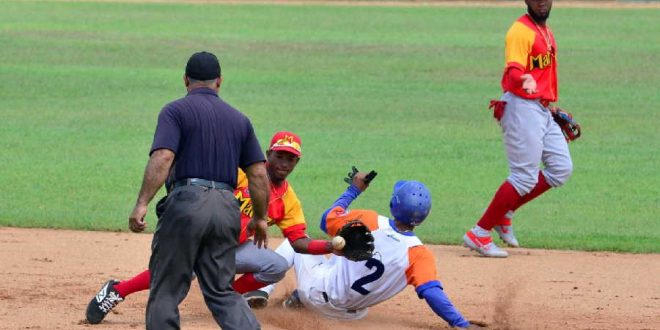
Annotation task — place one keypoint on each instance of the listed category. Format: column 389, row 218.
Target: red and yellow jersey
column 531, row 48
column 284, row 209
column 400, row 259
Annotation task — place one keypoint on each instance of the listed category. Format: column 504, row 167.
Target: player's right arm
column 518, row 46
column 422, row 275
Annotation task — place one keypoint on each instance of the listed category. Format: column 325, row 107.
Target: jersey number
column 378, row 272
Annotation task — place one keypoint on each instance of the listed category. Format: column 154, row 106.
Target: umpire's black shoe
column 103, row 302
column 257, row 299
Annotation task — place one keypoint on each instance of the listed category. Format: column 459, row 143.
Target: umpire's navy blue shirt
column 210, row 139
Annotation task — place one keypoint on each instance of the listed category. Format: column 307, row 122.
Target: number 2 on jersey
column 378, row 272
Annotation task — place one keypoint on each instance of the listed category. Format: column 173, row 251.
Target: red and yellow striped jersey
column 284, row 209
column 532, row 49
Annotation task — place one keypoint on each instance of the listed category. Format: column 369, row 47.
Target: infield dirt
column 48, row 277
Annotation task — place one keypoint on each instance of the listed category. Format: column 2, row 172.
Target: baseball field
column 398, row 87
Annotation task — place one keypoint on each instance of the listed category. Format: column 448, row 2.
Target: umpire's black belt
column 203, row 183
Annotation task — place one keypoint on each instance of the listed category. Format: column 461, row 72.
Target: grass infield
column 400, row 90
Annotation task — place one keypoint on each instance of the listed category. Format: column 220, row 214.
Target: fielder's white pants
column 532, row 137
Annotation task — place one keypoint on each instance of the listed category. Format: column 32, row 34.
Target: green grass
column 400, row 90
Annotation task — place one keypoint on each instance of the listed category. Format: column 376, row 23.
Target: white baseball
column 338, row 243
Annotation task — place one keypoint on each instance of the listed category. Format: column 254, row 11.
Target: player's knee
column 275, row 270
column 558, row 175
column 523, row 183
column 279, row 269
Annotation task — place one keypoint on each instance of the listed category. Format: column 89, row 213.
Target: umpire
column 199, row 143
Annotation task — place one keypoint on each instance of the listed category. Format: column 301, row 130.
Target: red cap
column 286, row 141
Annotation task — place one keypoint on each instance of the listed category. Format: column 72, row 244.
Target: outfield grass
column 400, row 90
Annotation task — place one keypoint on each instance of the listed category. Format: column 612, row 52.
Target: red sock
column 541, row 187
column 247, row 283
column 504, row 200
column 138, row 283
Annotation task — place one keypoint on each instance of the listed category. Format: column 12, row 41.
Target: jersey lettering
column 378, row 273
column 541, row 61
column 245, row 201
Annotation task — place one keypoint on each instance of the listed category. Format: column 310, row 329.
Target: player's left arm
column 422, row 274
column 337, row 215
column 339, row 207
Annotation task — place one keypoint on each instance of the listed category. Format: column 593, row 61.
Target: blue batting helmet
column 411, row 202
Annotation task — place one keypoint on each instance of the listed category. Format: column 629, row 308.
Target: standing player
column 531, row 136
column 258, row 266
column 344, row 289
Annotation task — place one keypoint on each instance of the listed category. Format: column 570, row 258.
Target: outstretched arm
column 347, row 197
column 440, row 304
column 340, row 205
column 423, row 275
column 359, row 183
column 307, row 245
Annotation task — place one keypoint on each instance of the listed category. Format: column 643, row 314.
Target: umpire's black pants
column 198, row 231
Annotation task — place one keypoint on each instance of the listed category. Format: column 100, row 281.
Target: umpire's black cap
column 203, row 66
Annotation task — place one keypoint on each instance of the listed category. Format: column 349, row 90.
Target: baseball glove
column 359, row 241
column 569, row 127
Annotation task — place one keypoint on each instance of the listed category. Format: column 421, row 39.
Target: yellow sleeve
column 519, row 41
column 293, row 213
column 242, row 179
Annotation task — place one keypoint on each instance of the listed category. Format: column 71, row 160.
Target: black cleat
column 103, row 302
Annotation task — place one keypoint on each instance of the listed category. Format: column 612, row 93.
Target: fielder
column 531, row 135
column 343, row 289
column 258, row 266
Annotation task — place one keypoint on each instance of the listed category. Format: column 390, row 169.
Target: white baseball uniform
column 344, row 289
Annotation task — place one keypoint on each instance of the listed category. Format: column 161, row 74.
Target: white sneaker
column 505, row 230
column 484, row 245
